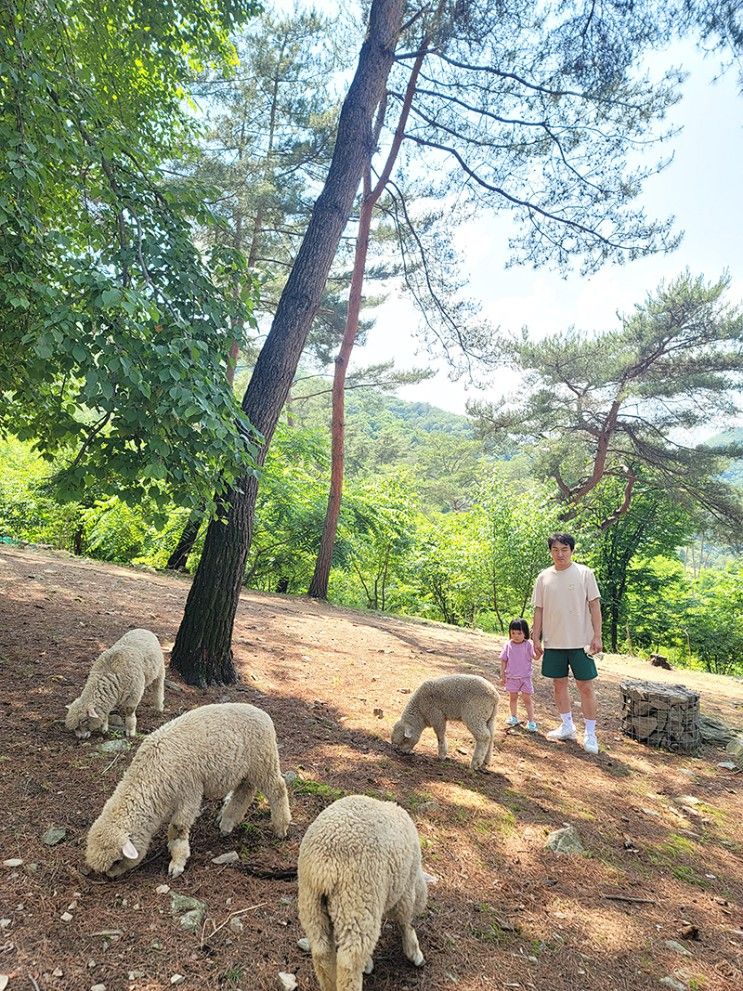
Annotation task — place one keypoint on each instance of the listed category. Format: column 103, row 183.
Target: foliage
column 117, row 324
column 612, row 405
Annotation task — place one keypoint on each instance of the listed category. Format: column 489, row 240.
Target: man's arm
column 594, row 608
column 536, row 632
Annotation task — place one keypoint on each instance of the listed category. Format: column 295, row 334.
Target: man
column 567, row 614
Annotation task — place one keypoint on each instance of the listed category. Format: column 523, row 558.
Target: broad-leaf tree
column 116, row 324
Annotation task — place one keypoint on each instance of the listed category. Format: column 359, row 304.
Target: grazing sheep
column 117, row 680
column 359, row 861
column 215, row 751
column 465, row 698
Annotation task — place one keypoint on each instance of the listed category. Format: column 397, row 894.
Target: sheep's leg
column 438, row 725
column 104, row 725
column 403, row 914
column 158, row 692
column 236, row 806
column 130, row 721
column 178, row 834
column 483, row 741
column 350, row 968
column 323, row 960
column 281, row 817
column 491, row 729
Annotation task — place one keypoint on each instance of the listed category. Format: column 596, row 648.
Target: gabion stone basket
column 661, row 715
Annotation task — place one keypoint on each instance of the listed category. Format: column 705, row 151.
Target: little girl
column 515, row 671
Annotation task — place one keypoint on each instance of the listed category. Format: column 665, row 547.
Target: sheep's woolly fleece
column 117, row 680
column 207, row 752
column 359, row 861
column 465, row 698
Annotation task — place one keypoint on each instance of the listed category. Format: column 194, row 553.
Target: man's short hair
column 561, row 538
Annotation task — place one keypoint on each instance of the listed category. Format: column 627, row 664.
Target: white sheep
column 117, row 680
column 225, row 751
column 359, row 861
column 465, row 698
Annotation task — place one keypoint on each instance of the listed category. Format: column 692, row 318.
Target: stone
column 287, row 982
column 735, row 749
column 135, row 975
column 53, row 835
column 13, row 862
column 4, row 923
column 191, row 911
column 565, row 841
column 728, row 765
column 66, row 917
column 671, row 982
column 98, row 987
column 177, row 979
column 677, row 947
column 233, row 857
column 112, row 746
column 162, row 889
column 190, row 921
column 290, row 776
column 57, row 972
column 715, row 731
column 236, row 925
column 304, row 944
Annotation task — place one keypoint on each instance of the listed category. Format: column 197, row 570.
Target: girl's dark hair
column 561, row 538
column 519, row 624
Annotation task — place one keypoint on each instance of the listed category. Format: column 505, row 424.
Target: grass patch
column 233, row 976
column 418, row 800
column 306, row 786
column 492, row 929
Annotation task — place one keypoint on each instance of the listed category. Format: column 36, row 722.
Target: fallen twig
column 232, row 915
column 33, row 981
column 630, row 898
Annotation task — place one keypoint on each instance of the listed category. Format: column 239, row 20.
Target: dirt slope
column 506, row 913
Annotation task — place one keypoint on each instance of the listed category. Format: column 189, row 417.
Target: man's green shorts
column 555, row 663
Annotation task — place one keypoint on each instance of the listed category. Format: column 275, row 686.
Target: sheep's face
column 404, row 736
column 82, row 721
column 111, row 851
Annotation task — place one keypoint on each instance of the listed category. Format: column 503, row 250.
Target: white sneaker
column 563, row 733
column 590, row 744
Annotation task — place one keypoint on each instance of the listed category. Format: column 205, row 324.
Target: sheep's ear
column 408, row 732
column 430, row 878
column 91, row 713
column 130, row 851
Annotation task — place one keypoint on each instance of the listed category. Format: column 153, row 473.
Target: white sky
column 703, row 188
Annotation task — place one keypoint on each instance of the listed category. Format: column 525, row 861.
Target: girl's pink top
column 518, row 658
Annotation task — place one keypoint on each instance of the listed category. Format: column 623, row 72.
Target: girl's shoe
column 512, row 721
column 531, row 726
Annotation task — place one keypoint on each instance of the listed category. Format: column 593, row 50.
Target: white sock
column 590, row 727
column 567, row 720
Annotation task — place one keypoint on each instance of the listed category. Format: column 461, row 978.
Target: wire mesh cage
column 661, row 715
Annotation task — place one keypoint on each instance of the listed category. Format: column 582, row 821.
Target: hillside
column 661, row 831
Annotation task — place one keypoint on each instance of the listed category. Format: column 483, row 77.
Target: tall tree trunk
column 319, row 584
column 179, row 557
column 202, row 652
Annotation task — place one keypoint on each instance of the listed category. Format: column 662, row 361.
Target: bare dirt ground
column 506, row 913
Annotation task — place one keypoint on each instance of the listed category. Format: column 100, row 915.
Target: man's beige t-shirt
column 564, row 597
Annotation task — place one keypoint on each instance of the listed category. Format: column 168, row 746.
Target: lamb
column 465, row 698
column 359, row 861
column 117, row 680
column 226, row 750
